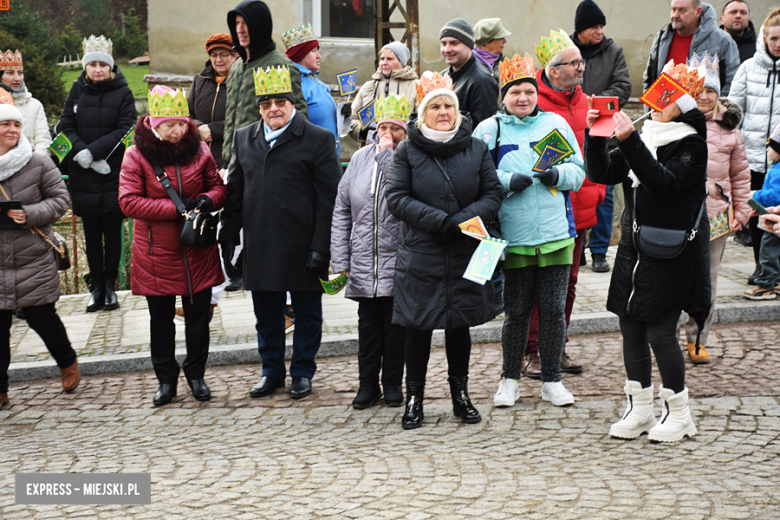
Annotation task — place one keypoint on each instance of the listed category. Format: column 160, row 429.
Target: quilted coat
column 161, row 266
column 28, row 271
column 400, row 83
column 34, row 124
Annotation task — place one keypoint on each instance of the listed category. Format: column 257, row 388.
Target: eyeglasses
column 574, row 63
column 266, row 105
column 221, row 56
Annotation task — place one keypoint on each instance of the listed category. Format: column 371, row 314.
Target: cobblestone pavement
column 236, row 457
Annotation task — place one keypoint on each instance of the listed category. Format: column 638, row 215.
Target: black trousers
column 380, row 343
column 756, row 183
column 162, row 310
column 639, row 337
column 44, row 320
column 100, row 228
column 418, row 351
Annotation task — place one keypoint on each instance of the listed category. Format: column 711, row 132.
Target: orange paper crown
column 516, row 68
column 6, row 98
column 687, row 78
column 11, row 60
column 662, row 93
column 431, row 81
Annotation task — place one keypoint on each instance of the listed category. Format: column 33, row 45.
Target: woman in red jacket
column 162, row 267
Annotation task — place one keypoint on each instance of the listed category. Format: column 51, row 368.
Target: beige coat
column 400, row 82
column 28, row 271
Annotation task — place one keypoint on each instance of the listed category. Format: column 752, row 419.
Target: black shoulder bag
column 199, row 230
column 663, row 243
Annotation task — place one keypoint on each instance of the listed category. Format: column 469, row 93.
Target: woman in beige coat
column 28, row 269
column 728, row 182
column 394, row 76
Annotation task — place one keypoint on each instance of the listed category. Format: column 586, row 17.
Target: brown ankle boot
column 3, row 399
column 70, row 377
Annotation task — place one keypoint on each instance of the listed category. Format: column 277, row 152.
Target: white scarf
column 656, row 134
column 438, row 135
column 16, row 158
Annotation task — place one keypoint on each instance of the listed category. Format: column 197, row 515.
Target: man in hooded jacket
column 250, row 26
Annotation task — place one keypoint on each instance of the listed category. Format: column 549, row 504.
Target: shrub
column 133, row 42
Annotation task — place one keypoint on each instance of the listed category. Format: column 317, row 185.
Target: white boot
column 676, row 421
column 638, row 417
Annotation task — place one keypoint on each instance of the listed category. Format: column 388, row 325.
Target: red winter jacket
column 158, row 265
column 574, row 109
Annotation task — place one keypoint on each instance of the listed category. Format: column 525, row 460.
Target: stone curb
column 347, row 345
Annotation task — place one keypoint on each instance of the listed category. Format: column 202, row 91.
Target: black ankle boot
column 98, row 298
column 111, row 303
column 461, row 404
column 413, row 416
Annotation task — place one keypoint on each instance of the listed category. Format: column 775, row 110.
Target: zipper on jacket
column 376, row 232
column 771, row 107
column 447, row 283
column 151, row 251
column 183, row 249
column 634, row 271
column 213, row 107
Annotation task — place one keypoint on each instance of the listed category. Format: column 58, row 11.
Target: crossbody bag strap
column 34, row 230
column 695, row 228
column 168, row 187
column 449, row 181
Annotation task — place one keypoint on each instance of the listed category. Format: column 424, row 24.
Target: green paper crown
column 550, row 47
column 168, row 105
column 297, row 35
column 99, row 44
column 272, row 81
column 395, row 108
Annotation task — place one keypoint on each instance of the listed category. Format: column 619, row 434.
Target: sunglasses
column 266, row 105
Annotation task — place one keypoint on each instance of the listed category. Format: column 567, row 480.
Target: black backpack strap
column 168, row 187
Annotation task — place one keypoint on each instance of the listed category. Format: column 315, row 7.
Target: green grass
column 133, row 74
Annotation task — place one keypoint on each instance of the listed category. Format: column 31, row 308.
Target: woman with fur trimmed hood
column 162, row 267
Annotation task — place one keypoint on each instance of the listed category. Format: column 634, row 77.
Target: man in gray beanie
column 476, row 89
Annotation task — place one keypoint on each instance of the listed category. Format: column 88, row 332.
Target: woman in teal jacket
column 537, row 220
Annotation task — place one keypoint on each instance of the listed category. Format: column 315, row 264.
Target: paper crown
column 272, row 81
column 708, row 68
column 393, row 108
column 688, row 78
column 99, row 44
column 297, row 35
column 168, row 104
column 550, row 47
column 11, row 60
column 431, row 81
column 6, row 98
column 516, row 68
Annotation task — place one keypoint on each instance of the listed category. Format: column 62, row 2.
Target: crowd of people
column 259, row 140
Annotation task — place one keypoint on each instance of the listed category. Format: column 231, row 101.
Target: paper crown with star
column 393, row 108
column 168, row 104
column 707, row 67
column 550, row 47
column 272, row 81
column 11, row 60
column 688, row 78
column 297, row 35
column 516, row 68
column 431, row 81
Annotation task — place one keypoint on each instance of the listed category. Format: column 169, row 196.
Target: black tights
column 418, row 351
column 639, row 337
column 100, row 228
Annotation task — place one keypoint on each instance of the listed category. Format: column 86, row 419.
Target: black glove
column 549, row 177
column 317, row 265
column 205, row 204
column 189, row 204
column 450, row 229
column 346, row 110
column 520, row 182
column 228, row 250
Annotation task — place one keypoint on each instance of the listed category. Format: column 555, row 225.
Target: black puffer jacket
column 476, row 89
column 430, row 291
column 96, row 116
column 207, row 100
column 670, row 196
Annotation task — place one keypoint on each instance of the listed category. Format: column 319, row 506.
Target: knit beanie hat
column 774, row 140
column 459, row 29
column 588, row 14
column 8, row 112
column 297, row 53
column 430, row 86
column 400, row 50
column 219, row 41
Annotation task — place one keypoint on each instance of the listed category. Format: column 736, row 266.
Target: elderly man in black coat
column 282, row 184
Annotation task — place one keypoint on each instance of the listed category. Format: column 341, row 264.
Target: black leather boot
column 98, row 298
column 413, row 416
column 461, row 404
column 111, row 303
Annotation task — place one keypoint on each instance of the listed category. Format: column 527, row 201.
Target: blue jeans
column 269, row 311
column 601, row 233
column 769, row 260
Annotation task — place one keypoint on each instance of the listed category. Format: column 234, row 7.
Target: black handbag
column 663, row 243
column 199, row 230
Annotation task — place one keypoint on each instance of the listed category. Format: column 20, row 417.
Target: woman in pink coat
column 162, row 268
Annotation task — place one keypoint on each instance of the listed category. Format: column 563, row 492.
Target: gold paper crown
column 272, row 81
column 168, row 105
column 297, row 35
column 393, row 107
column 11, row 60
column 6, row 98
column 99, row 44
column 688, row 79
column 550, row 47
column 431, row 81
column 516, row 68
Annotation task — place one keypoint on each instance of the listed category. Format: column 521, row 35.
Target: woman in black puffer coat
column 98, row 112
column 433, row 254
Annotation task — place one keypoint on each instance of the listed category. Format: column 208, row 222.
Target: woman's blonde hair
column 458, row 115
column 772, row 20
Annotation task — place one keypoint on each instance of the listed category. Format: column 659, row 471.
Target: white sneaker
column 508, row 392
column 557, row 394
